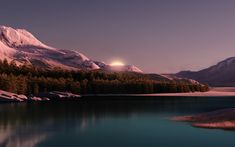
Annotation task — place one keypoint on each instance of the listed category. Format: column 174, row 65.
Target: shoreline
column 214, row 92
column 56, row 95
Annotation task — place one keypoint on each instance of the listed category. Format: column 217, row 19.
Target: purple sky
column 156, row 35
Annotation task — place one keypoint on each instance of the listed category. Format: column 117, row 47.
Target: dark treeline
column 27, row 79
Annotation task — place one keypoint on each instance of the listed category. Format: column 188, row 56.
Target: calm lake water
column 111, row 124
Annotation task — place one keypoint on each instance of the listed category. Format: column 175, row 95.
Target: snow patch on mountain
column 133, row 68
column 19, row 37
column 128, row 68
column 125, row 68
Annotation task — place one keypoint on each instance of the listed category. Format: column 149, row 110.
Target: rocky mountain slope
column 22, row 47
column 221, row 74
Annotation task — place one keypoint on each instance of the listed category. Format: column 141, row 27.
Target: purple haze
column 156, row 35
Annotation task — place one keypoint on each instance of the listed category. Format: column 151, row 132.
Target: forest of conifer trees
column 29, row 80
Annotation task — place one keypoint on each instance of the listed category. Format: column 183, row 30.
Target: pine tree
column 35, row 89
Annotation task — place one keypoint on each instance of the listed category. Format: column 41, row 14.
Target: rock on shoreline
column 220, row 119
column 54, row 95
column 57, row 95
column 11, row 97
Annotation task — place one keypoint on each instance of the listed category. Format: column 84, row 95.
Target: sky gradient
column 156, row 35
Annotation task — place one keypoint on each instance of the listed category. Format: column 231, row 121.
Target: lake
column 119, row 123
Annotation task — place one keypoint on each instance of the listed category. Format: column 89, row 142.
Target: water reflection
column 29, row 124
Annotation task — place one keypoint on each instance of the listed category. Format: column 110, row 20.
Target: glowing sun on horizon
column 117, row 63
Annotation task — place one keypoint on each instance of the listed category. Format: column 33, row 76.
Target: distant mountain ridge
column 22, row 47
column 221, row 74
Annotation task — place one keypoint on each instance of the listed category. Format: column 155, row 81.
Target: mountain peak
column 227, row 62
column 134, row 68
column 19, row 37
column 221, row 74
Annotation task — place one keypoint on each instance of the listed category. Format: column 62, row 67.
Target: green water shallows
column 111, row 124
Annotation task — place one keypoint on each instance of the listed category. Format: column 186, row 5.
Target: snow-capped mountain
column 21, row 46
column 221, row 74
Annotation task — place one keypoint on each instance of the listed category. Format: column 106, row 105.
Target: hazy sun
column 117, row 63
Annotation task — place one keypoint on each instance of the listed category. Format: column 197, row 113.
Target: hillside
column 221, row 74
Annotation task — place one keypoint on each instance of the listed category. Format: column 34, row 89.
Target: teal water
column 111, row 124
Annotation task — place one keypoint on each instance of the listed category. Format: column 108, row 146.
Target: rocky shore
column 220, row 119
column 54, row 95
